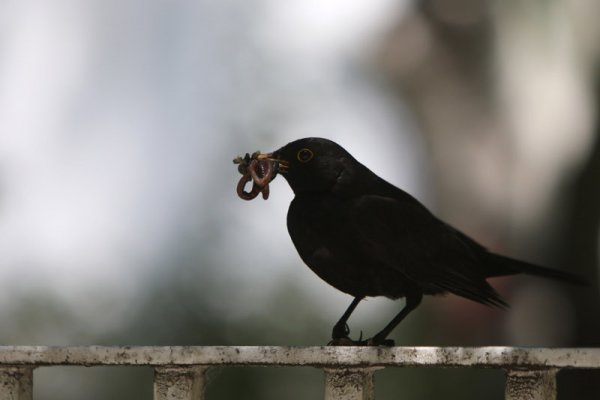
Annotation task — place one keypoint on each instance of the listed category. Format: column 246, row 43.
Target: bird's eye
column 304, row 155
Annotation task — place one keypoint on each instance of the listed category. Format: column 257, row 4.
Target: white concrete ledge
column 490, row 357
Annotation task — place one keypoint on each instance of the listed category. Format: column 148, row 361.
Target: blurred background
column 119, row 222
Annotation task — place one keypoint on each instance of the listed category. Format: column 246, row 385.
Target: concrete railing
column 179, row 371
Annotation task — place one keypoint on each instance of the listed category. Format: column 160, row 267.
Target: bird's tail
column 502, row 265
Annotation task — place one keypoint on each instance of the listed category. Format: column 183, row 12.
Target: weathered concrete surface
column 179, row 383
column 16, row 383
column 531, row 385
column 349, row 384
column 329, row 356
column 179, row 371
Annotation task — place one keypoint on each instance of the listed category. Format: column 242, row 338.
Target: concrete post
column 179, row 383
column 16, row 383
column 531, row 384
column 349, row 384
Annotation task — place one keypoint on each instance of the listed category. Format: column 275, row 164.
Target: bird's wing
column 402, row 234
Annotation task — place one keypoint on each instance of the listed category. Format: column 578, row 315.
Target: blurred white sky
column 116, row 118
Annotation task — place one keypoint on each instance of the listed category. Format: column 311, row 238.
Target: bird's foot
column 378, row 340
column 340, row 331
column 346, row 341
column 343, row 341
column 339, row 336
column 374, row 341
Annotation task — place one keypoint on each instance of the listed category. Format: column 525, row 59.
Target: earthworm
column 265, row 168
column 241, row 186
column 259, row 172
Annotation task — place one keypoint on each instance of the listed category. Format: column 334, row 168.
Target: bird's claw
column 374, row 341
column 340, row 331
column 343, row 341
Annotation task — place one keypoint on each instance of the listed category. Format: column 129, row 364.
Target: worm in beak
column 258, row 168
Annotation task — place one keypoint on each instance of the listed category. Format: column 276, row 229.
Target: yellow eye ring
column 305, row 155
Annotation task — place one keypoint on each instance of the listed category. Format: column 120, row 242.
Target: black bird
column 366, row 237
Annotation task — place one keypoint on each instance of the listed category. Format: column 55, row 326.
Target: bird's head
column 311, row 164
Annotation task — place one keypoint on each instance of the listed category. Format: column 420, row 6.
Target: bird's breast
column 322, row 231
column 312, row 224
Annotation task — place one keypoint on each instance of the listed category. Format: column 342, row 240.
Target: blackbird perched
column 366, row 237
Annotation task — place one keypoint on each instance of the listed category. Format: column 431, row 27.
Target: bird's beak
column 263, row 156
column 280, row 164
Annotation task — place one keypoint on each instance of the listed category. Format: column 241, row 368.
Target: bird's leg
column 341, row 330
column 412, row 301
